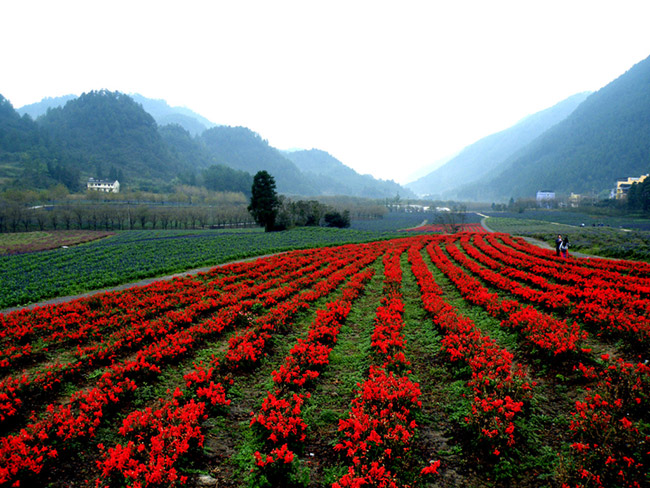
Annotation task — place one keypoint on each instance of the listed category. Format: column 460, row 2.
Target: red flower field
column 469, row 359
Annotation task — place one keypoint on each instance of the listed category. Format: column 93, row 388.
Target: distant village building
column 544, row 197
column 103, row 185
column 623, row 186
column 575, row 199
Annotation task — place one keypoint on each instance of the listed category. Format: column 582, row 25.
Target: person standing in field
column 564, row 247
column 558, row 243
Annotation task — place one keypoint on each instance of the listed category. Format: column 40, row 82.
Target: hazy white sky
column 385, row 87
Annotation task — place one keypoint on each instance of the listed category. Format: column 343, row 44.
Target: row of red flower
column 541, row 330
column 611, row 444
column 578, row 271
column 595, row 302
column 82, row 415
column 630, row 268
column 138, row 334
column 500, row 387
column 380, row 427
column 158, row 436
column 95, row 318
column 610, row 426
column 246, row 349
column 279, row 418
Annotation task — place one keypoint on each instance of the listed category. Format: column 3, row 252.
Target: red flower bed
column 541, row 330
column 279, row 418
column 613, row 302
column 608, row 446
column 380, row 426
column 444, row 229
column 500, row 387
column 73, row 372
column 83, row 414
column 158, row 439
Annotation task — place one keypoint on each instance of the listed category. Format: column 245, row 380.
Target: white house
column 103, row 185
column 545, row 195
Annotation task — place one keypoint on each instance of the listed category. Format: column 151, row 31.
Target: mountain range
column 582, row 145
column 151, row 146
column 482, row 158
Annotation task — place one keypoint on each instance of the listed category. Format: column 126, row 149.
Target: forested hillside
column 109, row 132
column 28, row 156
column 488, row 154
column 105, row 134
column 243, row 149
column 160, row 110
column 606, row 138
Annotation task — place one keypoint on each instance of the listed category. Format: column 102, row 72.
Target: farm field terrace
column 470, row 359
column 23, row 242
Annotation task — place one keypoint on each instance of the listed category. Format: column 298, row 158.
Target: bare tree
column 41, row 218
column 54, row 218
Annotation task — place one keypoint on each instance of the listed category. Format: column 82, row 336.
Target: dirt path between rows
column 125, row 286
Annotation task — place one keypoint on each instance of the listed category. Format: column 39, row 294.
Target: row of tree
column 110, row 217
column 188, row 207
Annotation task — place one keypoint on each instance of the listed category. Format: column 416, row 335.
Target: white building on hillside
column 545, row 195
column 103, row 185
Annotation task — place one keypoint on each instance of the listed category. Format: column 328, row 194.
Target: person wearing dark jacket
column 558, row 242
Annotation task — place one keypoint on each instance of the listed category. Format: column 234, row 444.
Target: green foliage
column 105, row 134
column 222, row 178
column 17, row 134
column 337, row 219
column 109, row 128
column 638, row 197
column 28, row 156
column 189, row 151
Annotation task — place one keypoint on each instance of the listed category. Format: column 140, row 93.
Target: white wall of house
column 103, row 185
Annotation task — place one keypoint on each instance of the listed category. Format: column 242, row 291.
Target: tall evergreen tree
column 264, row 200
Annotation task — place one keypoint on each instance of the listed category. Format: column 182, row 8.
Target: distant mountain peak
column 334, row 177
column 159, row 109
